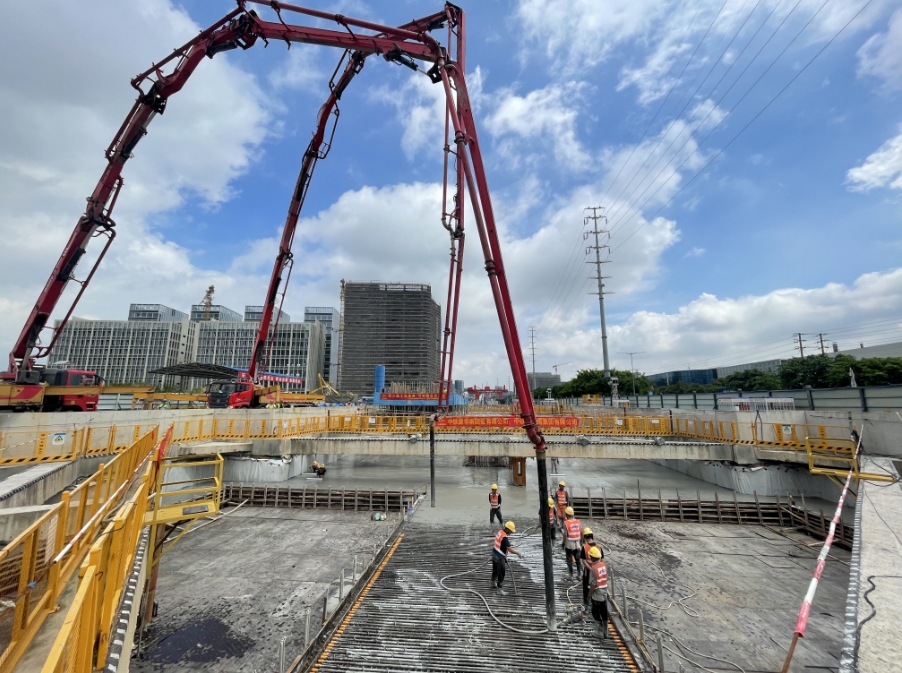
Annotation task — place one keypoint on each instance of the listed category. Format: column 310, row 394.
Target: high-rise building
column 543, row 380
column 255, row 314
column 397, row 325
column 201, row 312
column 297, row 350
column 124, row 351
column 331, row 320
column 156, row 336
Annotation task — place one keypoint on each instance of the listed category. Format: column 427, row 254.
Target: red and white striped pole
column 805, row 611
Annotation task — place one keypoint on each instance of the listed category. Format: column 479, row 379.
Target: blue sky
column 794, row 225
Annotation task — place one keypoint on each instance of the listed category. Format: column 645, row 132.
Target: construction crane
column 207, row 303
column 409, row 45
column 554, row 367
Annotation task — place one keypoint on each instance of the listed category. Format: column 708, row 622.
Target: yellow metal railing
column 46, row 446
column 35, row 567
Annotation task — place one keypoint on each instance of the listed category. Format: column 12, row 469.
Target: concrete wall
column 769, row 480
column 41, row 483
column 14, row 520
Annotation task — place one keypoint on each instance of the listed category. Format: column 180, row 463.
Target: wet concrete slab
column 229, row 592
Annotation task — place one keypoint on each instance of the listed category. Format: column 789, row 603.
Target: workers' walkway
column 874, row 635
column 408, row 622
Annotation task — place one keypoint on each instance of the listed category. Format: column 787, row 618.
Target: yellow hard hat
column 588, row 531
column 561, row 483
column 494, row 487
column 315, row 463
column 511, row 527
column 569, row 511
column 551, row 502
column 594, row 552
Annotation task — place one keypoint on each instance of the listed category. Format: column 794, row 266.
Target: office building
column 331, row 320
column 124, row 351
column 201, row 312
column 297, row 349
column 543, row 380
column 255, row 314
column 156, row 336
column 397, row 325
column 687, row 376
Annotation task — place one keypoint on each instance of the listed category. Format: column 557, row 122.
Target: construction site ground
column 229, row 592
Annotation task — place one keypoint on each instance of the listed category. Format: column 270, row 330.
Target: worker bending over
column 572, row 534
column 597, row 570
column 562, row 500
column 494, row 505
column 500, row 550
column 584, row 555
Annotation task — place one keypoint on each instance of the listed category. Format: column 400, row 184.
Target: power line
column 760, row 112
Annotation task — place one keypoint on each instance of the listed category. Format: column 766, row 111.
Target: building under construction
column 397, row 325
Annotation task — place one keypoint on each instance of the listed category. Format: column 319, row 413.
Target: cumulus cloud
column 883, row 168
column 712, row 331
column 62, row 111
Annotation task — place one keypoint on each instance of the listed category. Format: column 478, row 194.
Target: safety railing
column 47, row 446
column 35, row 566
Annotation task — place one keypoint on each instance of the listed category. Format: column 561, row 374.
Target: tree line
column 815, row 371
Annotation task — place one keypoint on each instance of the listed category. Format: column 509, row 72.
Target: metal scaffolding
column 397, row 325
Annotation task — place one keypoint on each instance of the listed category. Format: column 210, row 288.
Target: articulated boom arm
column 405, row 45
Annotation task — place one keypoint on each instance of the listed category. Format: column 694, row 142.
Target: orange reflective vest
column 494, row 499
column 561, row 497
column 586, row 547
column 574, row 529
column 498, row 538
column 551, row 515
column 601, row 575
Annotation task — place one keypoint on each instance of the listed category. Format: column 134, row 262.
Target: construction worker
column 494, row 505
column 552, row 519
column 562, row 498
column 500, row 549
column 597, row 570
column 315, row 467
column 572, row 535
column 588, row 545
column 321, row 470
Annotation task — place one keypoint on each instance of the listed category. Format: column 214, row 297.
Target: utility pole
column 532, row 347
column 632, row 370
column 820, row 338
column 801, row 346
column 600, row 234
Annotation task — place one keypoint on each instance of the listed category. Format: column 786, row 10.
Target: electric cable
column 744, row 128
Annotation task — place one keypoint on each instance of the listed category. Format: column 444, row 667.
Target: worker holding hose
column 572, row 535
column 500, row 551
column 585, row 557
column 598, row 587
column 494, row 505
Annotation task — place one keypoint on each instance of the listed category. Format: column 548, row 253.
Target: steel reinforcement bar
column 772, row 513
column 321, row 498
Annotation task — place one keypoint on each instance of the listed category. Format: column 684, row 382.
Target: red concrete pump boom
column 406, row 45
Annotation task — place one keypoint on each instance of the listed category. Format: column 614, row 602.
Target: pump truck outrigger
column 409, row 45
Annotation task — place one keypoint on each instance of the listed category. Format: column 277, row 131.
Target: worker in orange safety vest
column 552, row 519
column 562, row 501
column 500, row 549
column 597, row 570
column 494, row 505
column 572, row 537
column 588, row 544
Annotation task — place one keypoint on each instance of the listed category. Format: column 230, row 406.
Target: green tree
column 594, row 382
column 750, row 379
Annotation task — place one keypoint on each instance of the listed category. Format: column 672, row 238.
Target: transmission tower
column 600, row 235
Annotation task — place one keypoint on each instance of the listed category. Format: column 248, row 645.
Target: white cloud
column 882, row 169
column 881, row 55
column 545, row 115
column 60, row 113
column 695, row 252
column 578, row 34
column 711, row 331
column 300, row 70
